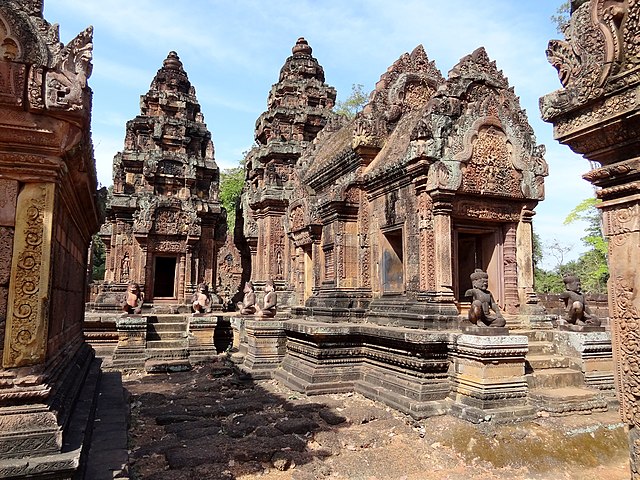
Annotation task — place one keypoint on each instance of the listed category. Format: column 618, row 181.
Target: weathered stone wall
column 68, row 280
column 554, row 305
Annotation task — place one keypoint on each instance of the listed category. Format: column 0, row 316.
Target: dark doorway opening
column 469, row 258
column 478, row 248
column 392, row 262
column 164, row 277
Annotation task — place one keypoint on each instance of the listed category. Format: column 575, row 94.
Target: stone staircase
column 167, row 344
column 556, row 382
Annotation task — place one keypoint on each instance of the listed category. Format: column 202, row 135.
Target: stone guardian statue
column 576, row 310
column 134, row 299
column 483, row 302
column 268, row 309
column 248, row 304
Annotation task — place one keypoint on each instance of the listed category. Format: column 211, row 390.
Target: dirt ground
column 214, row 423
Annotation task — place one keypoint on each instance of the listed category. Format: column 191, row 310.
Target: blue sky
column 233, row 51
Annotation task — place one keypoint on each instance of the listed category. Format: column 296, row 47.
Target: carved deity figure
column 201, row 300
column 133, row 299
column 124, row 268
column 483, row 302
column 577, row 311
column 268, row 309
column 248, row 304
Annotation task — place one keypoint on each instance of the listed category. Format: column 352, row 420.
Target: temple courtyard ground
column 215, row 423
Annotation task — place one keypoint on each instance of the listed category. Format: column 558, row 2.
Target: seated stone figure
column 268, row 309
column 134, row 299
column 248, row 304
column 201, row 300
column 483, row 302
column 577, row 311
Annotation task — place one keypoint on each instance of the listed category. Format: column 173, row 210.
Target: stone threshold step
column 542, row 362
column 541, row 348
column 555, row 378
column 568, row 401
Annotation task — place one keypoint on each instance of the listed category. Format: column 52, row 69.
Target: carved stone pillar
column 181, row 279
column 524, row 253
column 29, row 289
column 443, row 240
column 188, row 273
column 510, row 269
column 596, row 114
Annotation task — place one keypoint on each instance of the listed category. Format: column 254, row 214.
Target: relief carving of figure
column 577, row 311
column 483, row 302
column 268, row 309
column 124, row 268
column 66, row 84
column 248, row 304
column 133, row 300
column 201, row 300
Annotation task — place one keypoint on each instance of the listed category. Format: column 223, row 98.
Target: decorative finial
column 301, row 47
column 172, row 62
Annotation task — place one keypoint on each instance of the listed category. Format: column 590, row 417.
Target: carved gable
column 490, row 169
column 407, row 85
column 480, row 134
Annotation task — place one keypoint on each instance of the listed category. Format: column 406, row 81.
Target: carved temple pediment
column 407, row 85
column 479, row 135
column 49, row 75
column 601, row 49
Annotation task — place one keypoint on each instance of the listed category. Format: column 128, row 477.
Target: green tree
column 98, row 250
column 561, row 17
column 547, row 281
column 354, row 102
column 98, row 253
column 591, row 266
column 231, row 183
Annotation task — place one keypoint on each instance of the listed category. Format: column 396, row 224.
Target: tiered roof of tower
column 168, row 150
column 298, row 107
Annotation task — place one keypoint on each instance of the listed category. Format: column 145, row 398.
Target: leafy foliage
column 561, row 17
column 99, row 254
column 591, row 266
column 231, row 183
column 354, row 102
column 98, row 250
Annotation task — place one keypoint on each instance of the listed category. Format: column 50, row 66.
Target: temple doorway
column 308, row 273
column 164, row 277
column 392, row 262
column 478, row 247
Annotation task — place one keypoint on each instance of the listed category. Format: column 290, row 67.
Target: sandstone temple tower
column 48, row 212
column 164, row 218
column 298, row 107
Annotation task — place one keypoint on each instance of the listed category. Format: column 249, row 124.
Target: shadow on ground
column 216, row 423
